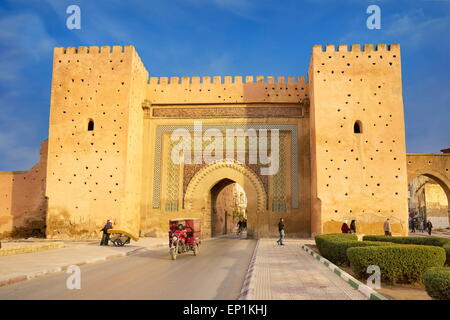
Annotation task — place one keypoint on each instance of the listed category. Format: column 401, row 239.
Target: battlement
column 357, row 48
column 227, row 89
column 93, row 50
column 94, row 55
column 226, row 80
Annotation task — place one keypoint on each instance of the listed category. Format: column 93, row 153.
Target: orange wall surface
column 22, row 200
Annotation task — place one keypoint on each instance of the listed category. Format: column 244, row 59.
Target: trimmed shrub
column 398, row 263
column 447, row 253
column 334, row 246
column 437, row 283
column 427, row 241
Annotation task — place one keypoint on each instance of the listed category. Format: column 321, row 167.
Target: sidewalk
column 435, row 233
column 26, row 266
column 289, row 273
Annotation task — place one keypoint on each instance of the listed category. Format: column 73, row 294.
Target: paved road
column 217, row 273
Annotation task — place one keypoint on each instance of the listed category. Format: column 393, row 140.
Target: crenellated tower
column 95, row 140
column 357, row 138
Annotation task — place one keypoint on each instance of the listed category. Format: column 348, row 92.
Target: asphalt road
column 216, row 273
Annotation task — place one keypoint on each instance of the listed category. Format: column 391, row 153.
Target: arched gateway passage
column 429, row 176
column 204, row 184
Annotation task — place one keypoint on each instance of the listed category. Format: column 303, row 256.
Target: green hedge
column 447, row 253
column 428, row 241
column 334, row 246
column 398, row 263
column 437, row 283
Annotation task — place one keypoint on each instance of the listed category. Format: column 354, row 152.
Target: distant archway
column 435, row 167
column 228, row 206
column 427, row 193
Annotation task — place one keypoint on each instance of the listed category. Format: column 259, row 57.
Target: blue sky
column 218, row 37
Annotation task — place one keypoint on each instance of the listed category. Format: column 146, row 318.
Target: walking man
column 281, row 230
column 353, row 226
column 429, row 227
column 240, row 223
column 105, row 236
column 387, row 228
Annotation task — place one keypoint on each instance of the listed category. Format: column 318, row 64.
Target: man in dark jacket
column 429, row 227
column 105, row 236
column 353, row 226
column 281, row 230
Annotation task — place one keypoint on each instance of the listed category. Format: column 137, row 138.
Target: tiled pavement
column 288, row 272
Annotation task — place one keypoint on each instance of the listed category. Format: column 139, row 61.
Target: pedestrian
column 411, row 225
column 421, row 226
column 282, row 232
column 429, row 227
column 105, row 236
column 240, row 224
column 387, row 228
column 424, row 224
column 345, row 228
column 353, row 226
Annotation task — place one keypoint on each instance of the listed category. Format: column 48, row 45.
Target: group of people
column 416, row 223
column 349, row 229
column 345, row 228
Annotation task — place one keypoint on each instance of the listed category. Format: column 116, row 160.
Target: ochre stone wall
column 23, row 206
column 121, row 169
column 436, row 205
column 95, row 175
column 358, row 176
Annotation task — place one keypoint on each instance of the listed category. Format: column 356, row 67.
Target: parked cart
column 119, row 238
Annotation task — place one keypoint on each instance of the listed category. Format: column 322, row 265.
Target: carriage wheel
column 174, row 252
column 118, row 243
column 195, row 249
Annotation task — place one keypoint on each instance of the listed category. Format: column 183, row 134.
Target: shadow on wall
column 23, row 210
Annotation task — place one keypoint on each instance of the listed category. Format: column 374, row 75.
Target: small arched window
column 357, row 127
column 91, row 125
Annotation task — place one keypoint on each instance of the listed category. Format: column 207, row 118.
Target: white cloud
column 416, row 28
column 23, row 38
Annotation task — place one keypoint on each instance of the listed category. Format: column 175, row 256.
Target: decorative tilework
column 279, row 181
column 172, row 181
column 170, row 128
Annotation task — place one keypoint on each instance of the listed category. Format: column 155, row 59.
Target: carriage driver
column 181, row 233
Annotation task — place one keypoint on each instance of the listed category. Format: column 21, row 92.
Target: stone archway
column 197, row 199
column 436, row 177
column 434, row 166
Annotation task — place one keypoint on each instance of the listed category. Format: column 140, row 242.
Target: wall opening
column 228, row 207
column 357, row 127
column 91, row 125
